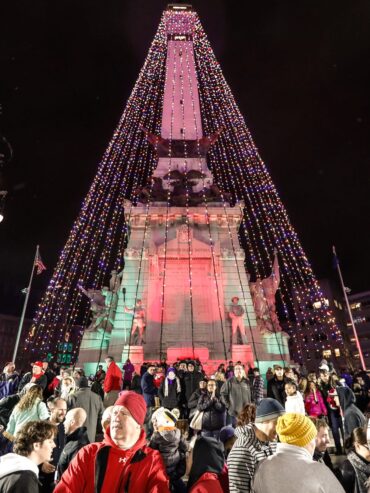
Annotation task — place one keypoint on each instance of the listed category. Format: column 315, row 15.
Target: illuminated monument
column 177, row 248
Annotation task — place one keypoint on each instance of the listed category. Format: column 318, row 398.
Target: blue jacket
column 149, row 389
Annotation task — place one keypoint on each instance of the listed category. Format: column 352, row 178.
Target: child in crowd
column 294, row 401
column 168, row 440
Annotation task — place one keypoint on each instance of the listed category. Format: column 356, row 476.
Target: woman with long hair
column 314, row 402
column 29, row 408
column 356, row 468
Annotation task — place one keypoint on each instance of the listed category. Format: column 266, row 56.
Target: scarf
column 178, row 385
column 362, row 471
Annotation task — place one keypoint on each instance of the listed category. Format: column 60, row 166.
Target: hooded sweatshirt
column 353, row 417
column 137, row 469
column 18, row 474
column 244, row 457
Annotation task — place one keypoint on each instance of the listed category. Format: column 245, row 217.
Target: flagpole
column 25, row 306
column 349, row 311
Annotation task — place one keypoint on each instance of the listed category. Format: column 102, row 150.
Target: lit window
column 336, row 303
column 326, row 353
column 340, row 306
column 337, row 352
column 316, row 304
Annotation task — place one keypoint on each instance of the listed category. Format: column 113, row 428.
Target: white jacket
column 295, row 404
column 292, row 470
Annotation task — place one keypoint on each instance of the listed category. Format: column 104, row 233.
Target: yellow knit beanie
column 295, row 429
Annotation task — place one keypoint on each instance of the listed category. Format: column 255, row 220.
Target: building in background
column 360, row 307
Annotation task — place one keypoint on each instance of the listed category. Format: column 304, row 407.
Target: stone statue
column 115, row 281
column 236, row 313
column 138, row 323
column 103, row 306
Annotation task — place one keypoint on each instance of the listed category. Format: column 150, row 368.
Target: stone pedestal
column 134, row 353
column 243, row 353
column 201, row 353
column 91, row 345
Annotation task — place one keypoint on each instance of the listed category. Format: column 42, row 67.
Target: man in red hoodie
column 112, row 382
column 122, row 462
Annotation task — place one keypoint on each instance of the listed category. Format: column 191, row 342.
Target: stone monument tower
column 184, row 290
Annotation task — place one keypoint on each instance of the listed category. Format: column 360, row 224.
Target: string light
column 99, row 235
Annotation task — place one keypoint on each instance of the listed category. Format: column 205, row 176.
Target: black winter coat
column 276, row 390
column 74, row 442
column 353, row 417
column 42, row 381
column 172, row 400
column 191, row 383
column 214, row 417
column 7, row 404
column 19, row 482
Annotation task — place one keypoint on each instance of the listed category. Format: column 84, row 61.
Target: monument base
column 243, row 353
column 135, row 354
column 175, row 353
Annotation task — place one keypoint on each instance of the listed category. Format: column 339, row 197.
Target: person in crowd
column 206, row 465
column 67, row 388
column 29, row 408
column 91, row 403
column 136, row 383
column 227, row 438
column 360, row 390
column 168, row 441
column 229, row 370
column 55, row 384
column 276, row 385
column 78, row 373
column 256, row 435
column 289, row 373
column 347, row 377
column 48, row 372
column 258, row 386
column 302, row 385
column 220, row 379
column 170, row 391
column 294, row 401
column 312, row 377
column 221, row 368
column 9, row 380
column 314, row 402
column 33, row 445
column 112, row 382
column 322, row 442
column 334, row 413
column 353, row 417
column 194, row 398
column 35, row 376
column 7, row 404
column 159, row 376
column 190, row 382
column 355, row 470
column 47, row 469
column 76, row 437
column 150, row 391
column 128, row 370
column 292, row 467
column 106, row 418
column 269, row 374
column 236, row 393
column 100, row 374
column 122, row 461
column 214, row 411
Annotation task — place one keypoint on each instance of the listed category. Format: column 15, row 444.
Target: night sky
column 299, row 71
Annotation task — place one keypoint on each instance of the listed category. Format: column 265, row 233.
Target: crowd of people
column 171, row 428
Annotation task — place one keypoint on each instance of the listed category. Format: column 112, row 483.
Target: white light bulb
column 1, row 217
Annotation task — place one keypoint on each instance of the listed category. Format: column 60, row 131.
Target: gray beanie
column 268, row 409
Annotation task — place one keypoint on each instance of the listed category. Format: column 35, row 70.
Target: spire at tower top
column 181, row 5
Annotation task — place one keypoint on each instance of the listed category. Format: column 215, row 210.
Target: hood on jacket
column 208, row 456
column 10, row 463
column 346, row 397
column 246, row 431
column 171, row 436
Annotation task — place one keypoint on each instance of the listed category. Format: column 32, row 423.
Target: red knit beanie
column 134, row 403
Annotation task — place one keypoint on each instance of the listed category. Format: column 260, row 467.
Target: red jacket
column 207, row 483
column 113, row 378
column 137, row 470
